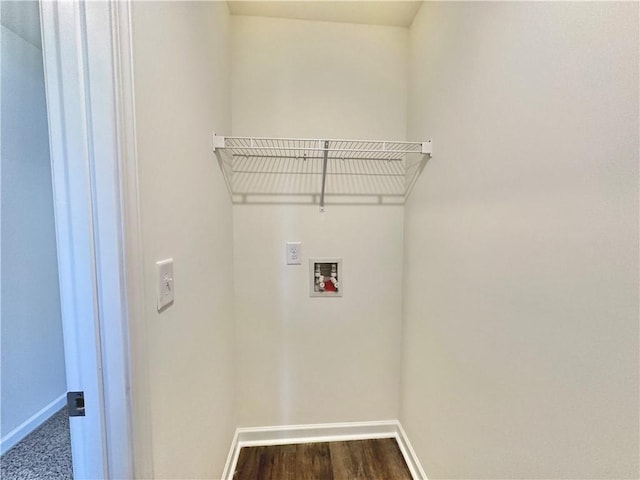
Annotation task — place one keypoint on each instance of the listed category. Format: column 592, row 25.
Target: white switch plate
column 165, row 282
column 294, row 253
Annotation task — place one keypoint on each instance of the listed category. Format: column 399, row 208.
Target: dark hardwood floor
column 378, row 459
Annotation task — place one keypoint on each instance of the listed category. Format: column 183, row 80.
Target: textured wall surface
column 33, row 370
column 182, row 96
column 521, row 241
column 302, row 359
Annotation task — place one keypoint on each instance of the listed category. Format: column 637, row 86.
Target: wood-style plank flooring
column 378, row 459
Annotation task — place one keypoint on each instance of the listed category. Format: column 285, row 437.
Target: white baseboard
column 33, row 422
column 327, row 432
column 409, row 455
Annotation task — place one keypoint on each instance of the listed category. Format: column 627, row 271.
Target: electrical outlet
column 294, row 253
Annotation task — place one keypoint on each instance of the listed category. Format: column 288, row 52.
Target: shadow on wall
column 296, row 177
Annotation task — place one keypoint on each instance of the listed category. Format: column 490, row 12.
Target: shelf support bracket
column 324, row 173
column 218, row 142
column 427, row 148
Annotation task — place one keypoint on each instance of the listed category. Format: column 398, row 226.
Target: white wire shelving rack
column 276, row 170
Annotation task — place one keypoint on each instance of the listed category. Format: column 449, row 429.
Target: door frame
column 87, row 50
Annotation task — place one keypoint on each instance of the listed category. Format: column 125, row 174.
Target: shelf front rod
column 324, row 173
column 237, row 148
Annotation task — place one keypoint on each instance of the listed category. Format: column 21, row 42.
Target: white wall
column 297, row 78
column 302, row 359
column 33, row 371
column 182, row 96
column 521, row 259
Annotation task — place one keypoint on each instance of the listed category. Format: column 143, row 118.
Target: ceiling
column 398, row 13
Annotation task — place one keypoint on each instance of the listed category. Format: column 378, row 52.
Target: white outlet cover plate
column 165, row 282
column 294, row 253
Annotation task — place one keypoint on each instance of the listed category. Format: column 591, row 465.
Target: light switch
column 294, row 253
column 165, row 282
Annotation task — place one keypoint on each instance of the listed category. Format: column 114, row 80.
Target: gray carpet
column 43, row 454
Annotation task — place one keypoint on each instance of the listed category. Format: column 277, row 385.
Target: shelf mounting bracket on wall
column 324, row 173
column 305, row 171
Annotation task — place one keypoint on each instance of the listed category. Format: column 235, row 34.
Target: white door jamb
column 89, row 87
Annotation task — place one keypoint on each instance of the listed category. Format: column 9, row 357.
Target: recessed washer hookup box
column 326, row 277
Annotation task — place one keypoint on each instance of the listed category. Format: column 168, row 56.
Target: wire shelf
column 276, row 170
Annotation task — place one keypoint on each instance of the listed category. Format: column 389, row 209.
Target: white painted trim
column 31, row 423
column 232, row 458
column 89, row 86
column 140, row 415
column 409, row 454
column 64, row 44
column 326, row 432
